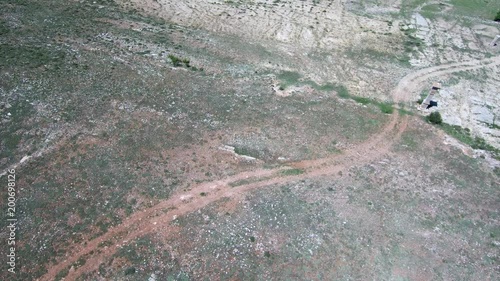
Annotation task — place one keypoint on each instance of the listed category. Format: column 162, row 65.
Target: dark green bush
column 130, row 270
column 497, row 17
column 385, row 107
column 175, row 60
column 435, row 118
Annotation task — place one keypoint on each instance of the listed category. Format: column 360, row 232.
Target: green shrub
column 175, row 60
column 61, row 274
column 496, row 171
column 435, row 118
column 385, row 107
column 497, row 17
column 361, row 100
column 130, row 270
column 342, row 92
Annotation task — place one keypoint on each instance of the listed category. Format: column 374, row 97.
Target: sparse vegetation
column 342, row 92
column 292, row 172
column 385, row 107
column 361, row 100
column 412, row 42
column 88, row 89
column 464, row 135
column 176, row 61
column 61, row 274
column 245, row 151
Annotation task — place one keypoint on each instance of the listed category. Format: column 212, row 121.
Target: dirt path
column 158, row 218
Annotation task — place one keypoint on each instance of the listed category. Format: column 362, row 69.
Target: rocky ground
column 251, row 140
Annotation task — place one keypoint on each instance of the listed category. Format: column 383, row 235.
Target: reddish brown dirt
column 157, row 218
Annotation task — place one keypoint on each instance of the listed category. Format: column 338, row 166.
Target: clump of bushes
column 385, row 107
column 497, row 17
column 176, row 61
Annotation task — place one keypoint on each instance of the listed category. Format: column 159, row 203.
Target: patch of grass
column 496, row 171
column 245, row 151
column 432, row 8
column 361, row 100
column 464, row 135
column 61, row 274
column 239, row 182
column 177, row 61
column 431, row 11
column 385, row 107
column 289, row 78
column 342, row 91
column 327, row 87
column 11, row 141
column 477, row 8
column 409, row 141
column 492, row 125
column 4, row 29
column 403, row 111
column 247, row 181
column 411, row 42
column 404, row 60
column 81, row 261
column 423, row 95
column 29, row 56
column 292, row 172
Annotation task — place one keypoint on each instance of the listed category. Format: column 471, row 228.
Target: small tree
column 435, row 118
column 497, row 17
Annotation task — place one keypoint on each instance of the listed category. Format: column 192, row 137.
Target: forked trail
column 159, row 217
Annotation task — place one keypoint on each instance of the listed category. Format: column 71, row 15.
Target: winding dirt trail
column 159, row 217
